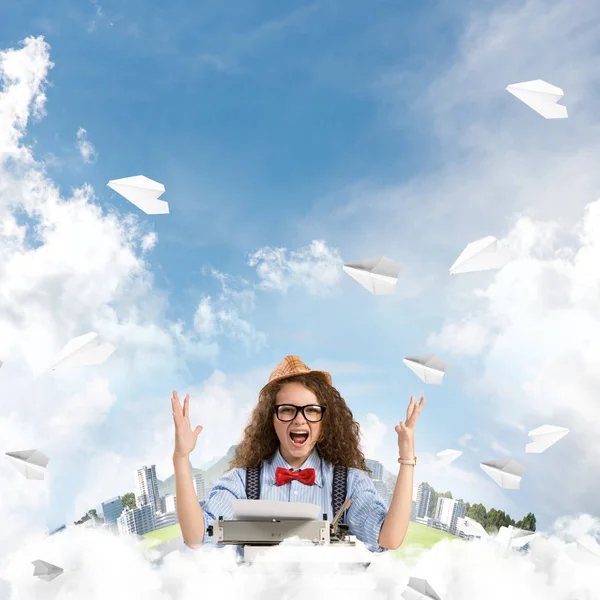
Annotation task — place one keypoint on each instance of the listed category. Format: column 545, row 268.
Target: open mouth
column 299, row 438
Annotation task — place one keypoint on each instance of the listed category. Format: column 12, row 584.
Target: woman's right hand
column 185, row 438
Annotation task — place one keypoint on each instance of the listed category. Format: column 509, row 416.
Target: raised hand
column 185, row 438
column 406, row 429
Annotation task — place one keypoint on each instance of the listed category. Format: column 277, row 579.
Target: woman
column 300, row 429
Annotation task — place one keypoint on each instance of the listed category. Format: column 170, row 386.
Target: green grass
column 420, row 537
column 157, row 537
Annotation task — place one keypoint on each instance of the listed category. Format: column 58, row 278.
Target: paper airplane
column 419, row 589
column 481, row 255
column 506, row 473
column 514, row 538
column 584, row 550
column 427, row 367
column 1, row 363
column 32, row 463
column 545, row 436
column 447, row 457
column 83, row 351
column 470, row 526
column 541, row 96
column 378, row 275
column 45, row 570
column 143, row 193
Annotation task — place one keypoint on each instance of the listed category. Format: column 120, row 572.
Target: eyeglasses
column 288, row 412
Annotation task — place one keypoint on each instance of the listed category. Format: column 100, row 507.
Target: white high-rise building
column 382, row 490
column 448, row 512
column 138, row 520
column 146, row 491
column 165, row 520
column 375, row 468
column 423, row 500
column 169, row 503
column 200, row 487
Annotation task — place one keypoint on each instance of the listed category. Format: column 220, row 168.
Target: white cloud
column 463, row 441
column 498, row 447
column 468, row 338
column 372, row 434
column 149, row 241
column 315, row 268
column 66, row 268
column 86, row 148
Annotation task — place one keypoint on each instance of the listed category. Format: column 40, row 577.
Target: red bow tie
column 305, row 476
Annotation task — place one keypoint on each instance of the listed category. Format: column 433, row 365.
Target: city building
column 200, row 487
column 448, row 511
column 138, row 520
column 423, row 499
column 147, row 488
column 375, row 468
column 169, row 503
column 112, row 510
column 413, row 512
column 382, row 490
column 165, row 520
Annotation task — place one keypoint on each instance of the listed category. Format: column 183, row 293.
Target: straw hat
column 290, row 366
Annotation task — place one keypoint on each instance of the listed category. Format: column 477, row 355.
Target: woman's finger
column 186, row 405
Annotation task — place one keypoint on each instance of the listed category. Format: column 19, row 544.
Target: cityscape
column 151, row 509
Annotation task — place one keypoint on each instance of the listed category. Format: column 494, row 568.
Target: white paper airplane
column 83, row 351
column 31, row 463
column 427, row 367
column 506, row 473
column 378, row 275
column 482, row 255
column 514, row 538
column 419, row 589
column 470, row 526
column 143, row 193
column 447, row 457
column 45, row 570
column 543, row 437
column 541, row 96
column 585, row 550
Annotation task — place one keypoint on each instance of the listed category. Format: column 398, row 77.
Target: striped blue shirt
column 364, row 517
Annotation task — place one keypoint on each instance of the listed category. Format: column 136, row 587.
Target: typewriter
column 256, row 537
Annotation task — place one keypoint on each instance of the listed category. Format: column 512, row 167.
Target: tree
column 527, row 522
column 128, row 500
column 447, row 495
column 433, row 500
column 478, row 513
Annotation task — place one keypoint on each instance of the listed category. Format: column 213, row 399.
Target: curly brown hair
column 339, row 440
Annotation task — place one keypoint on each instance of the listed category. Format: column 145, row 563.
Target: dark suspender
column 338, row 492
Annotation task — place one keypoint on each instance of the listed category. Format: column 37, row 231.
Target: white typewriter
column 261, row 524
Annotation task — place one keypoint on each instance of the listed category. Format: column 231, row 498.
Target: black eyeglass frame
column 300, row 409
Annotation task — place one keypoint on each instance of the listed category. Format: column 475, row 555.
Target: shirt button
column 295, row 492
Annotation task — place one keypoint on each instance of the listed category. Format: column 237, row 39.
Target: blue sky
column 379, row 128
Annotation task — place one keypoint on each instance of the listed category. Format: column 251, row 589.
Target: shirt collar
column 312, row 462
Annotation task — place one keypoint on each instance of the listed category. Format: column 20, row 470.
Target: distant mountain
column 211, row 474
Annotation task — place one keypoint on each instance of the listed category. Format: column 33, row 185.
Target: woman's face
column 297, row 437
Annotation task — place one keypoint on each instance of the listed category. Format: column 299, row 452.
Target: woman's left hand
column 406, row 429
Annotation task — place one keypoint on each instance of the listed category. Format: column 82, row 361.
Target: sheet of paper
column 379, row 275
column 541, row 96
column 142, row 192
column 507, row 473
column 419, row 589
column 543, row 437
column 446, row 457
column 482, row 255
column 429, row 368
column 83, row 351
column 265, row 510
column 30, row 463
